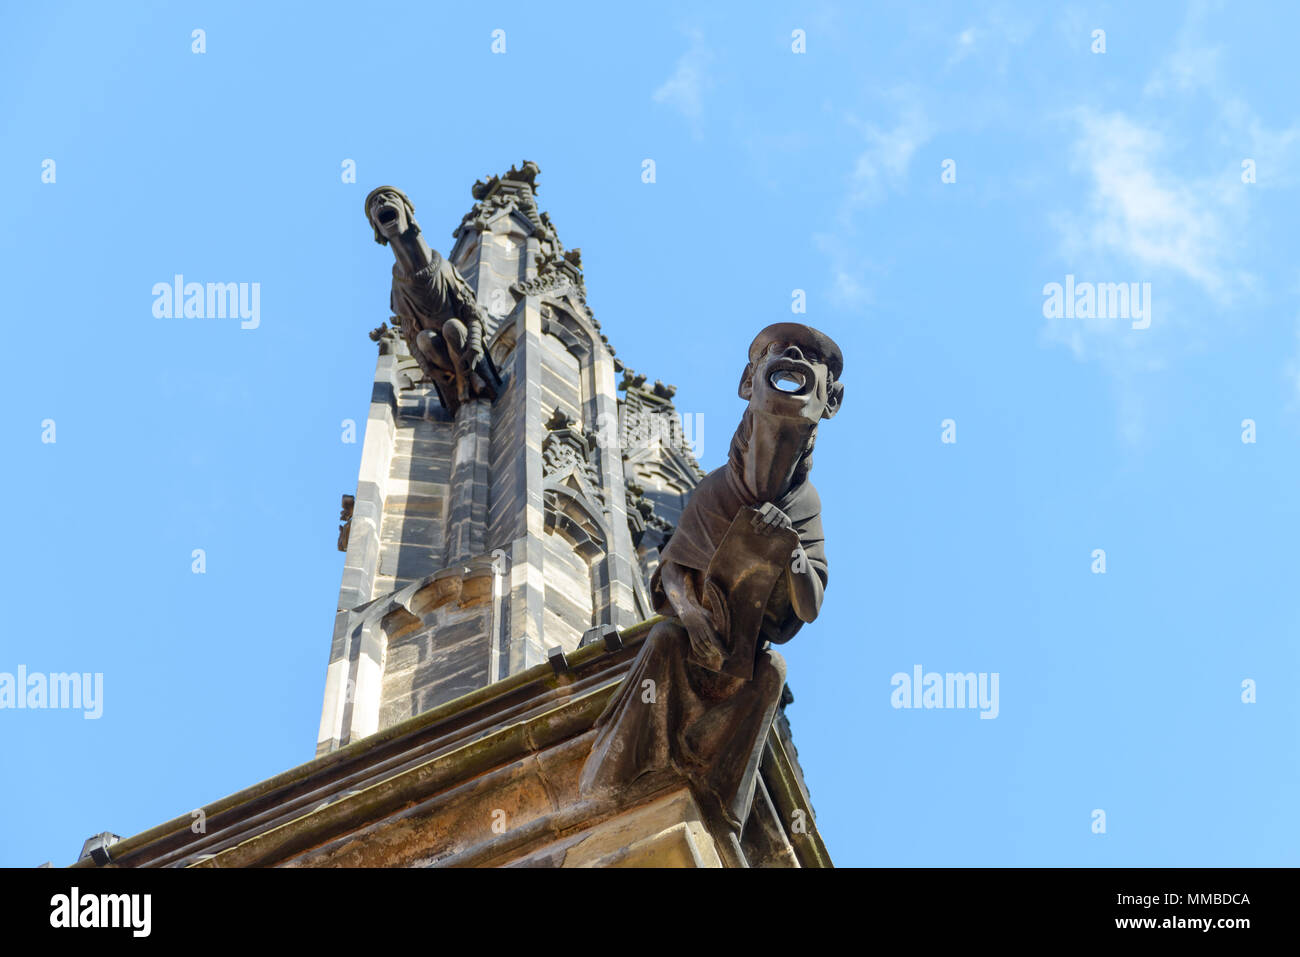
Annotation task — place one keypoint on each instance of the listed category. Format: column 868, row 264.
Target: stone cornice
column 369, row 781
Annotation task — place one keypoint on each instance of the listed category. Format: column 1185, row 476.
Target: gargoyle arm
column 806, row 588
column 678, row 585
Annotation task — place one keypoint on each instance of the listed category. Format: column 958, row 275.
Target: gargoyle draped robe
column 709, row 726
column 426, row 299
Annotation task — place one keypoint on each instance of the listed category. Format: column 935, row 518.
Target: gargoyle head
column 793, row 372
column 390, row 213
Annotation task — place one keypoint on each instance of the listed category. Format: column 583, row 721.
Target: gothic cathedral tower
column 480, row 541
column 510, row 511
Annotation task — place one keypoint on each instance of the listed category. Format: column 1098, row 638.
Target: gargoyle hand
column 770, row 518
column 705, row 640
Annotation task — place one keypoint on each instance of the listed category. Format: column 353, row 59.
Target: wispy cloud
column 883, row 165
column 993, row 37
column 1142, row 220
column 1276, row 152
column 1193, row 64
column 963, row 46
column 849, row 288
column 878, row 169
column 1139, row 211
column 1161, row 204
column 685, row 88
column 1187, row 69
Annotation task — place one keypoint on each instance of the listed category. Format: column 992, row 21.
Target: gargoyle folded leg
column 670, row 714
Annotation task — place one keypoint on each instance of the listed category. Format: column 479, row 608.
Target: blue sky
column 775, row 171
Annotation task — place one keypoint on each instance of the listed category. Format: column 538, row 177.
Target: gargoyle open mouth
column 387, row 215
column 790, row 376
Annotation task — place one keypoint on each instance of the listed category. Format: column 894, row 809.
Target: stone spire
column 481, row 539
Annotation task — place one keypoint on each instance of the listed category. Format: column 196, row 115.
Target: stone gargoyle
column 746, row 568
column 442, row 322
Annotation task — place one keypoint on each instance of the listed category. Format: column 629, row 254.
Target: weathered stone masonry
column 479, row 542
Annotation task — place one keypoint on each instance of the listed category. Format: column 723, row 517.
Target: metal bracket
column 96, row 848
column 610, row 635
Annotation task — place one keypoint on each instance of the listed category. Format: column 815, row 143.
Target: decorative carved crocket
column 746, row 568
column 442, row 323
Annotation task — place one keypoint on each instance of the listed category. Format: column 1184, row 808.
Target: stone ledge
column 427, row 792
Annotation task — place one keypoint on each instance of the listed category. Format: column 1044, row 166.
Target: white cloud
column 880, row 168
column 883, row 165
column 1141, row 221
column 964, row 46
column 992, row 38
column 1275, row 152
column 1141, row 212
column 848, row 269
column 1163, row 201
column 1187, row 69
column 684, row 89
column 1193, row 65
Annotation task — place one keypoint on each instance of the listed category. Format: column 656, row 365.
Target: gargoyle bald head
column 390, row 213
column 793, row 372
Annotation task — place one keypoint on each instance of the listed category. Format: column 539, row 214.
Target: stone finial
column 631, row 379
column 526, row 174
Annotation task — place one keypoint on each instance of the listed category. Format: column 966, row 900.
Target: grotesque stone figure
column 441, row 321
column 745, row 568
